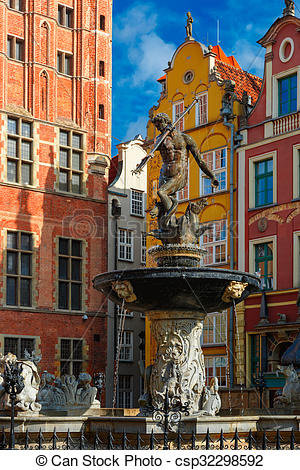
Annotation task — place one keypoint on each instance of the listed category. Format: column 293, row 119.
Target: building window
column 125, row 247
column 143, row 247
column 264, row 264
column 296, row 259
column 19, row 269
column 137, row 203
column 15, row 48
column 123, row 312
column 183, row 194
column 263, row 182
column 65, row 16
column 215, row 328
column 102, row 22
column 65, row 63
column 70, row 161
column 201, row 110
column 71, row 356
column 125, row 391
column 178, row 109
column 287, row 95
column 18, row 346
column 70, row 274
column 214, row 242
column 19, row 151
column 216, row 161
column 126, row 346
column 101, row 111
column 215, row 366
column 101, row 68
column 16, row 4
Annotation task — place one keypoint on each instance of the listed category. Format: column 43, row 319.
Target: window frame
column 296, row 259
column 64, row 9
column 126, row 347
column 216, row 171
column 101, row 112
column 19, row 344
column 296, row 171
column 274, row 85
column 214, row 366
column 102, row 21
column 125, row 390
column 61, row 63
column 212, row 325
column 18, row 275
column 175, row 114
column 12, row 4
column 12, row 49
column 101, row 68
column 260, row 177
column 143, row 248
column 198, row 114
column 125, row 245
column 72, row 360
column 280, row 81
column 258, row 241
column 138, row 202
column 215, row 243
column 68, row 280
column 20, row 162
column 70, row 170
column 251, row 183
column 265, row 260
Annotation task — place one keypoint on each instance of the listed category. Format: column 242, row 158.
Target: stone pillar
column 179, row 364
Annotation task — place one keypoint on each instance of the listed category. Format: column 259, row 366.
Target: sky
column 147, row 33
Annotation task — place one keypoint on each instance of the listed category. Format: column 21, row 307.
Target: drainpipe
column 230, row 125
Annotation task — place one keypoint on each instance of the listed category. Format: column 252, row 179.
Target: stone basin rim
column 202, row 291
column 174, row 271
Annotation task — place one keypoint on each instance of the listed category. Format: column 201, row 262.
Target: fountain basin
column 176, row 289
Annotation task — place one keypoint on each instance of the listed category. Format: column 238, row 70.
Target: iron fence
column 107, row 440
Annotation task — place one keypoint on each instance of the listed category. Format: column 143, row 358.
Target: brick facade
column 50, row 79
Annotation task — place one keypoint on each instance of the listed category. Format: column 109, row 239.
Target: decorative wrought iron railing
column 106, row 440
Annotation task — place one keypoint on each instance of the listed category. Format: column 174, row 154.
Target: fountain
column 178, row 293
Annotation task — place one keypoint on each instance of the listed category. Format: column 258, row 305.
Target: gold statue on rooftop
column 189, row 25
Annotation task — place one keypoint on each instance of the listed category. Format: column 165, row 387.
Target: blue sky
column 145, row 35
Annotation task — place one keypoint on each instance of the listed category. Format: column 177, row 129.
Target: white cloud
column 154, row 55
column 147, row 53
column 250, row 56
column 136, row 21
column 249, row 26
column 136, row 127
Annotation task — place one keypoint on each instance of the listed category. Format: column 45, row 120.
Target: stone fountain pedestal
column 176, row 297
column 179, row 365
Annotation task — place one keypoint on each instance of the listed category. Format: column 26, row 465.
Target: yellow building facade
column 199, row 71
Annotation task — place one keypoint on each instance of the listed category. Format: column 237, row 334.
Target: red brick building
column 55, row 115
column 269, row 203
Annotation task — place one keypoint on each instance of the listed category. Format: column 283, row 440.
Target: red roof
column 223, row 57
column 161, row 79
column 113, row 169
column 244, row 81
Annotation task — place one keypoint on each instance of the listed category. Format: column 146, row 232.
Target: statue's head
column 161, row 121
